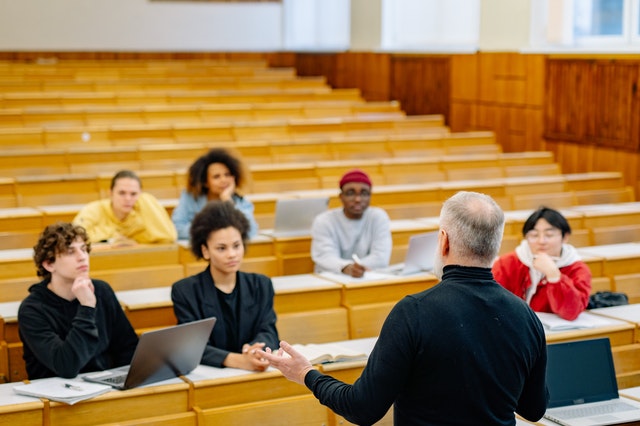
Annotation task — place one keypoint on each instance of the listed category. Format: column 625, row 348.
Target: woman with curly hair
column 242, row 302
column 215, row 176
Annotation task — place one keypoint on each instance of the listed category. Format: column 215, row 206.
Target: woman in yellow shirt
column 129, row 216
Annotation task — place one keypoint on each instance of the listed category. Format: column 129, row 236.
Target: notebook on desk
column 160, row 355
column 420, row 256
column 294, row 217
column 582, row 385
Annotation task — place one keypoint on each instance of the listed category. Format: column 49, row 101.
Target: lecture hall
column 532, row 102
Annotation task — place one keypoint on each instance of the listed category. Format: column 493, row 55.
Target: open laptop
column 582, row 385
column 294, row 217
column 420, row 256
column 160, row 355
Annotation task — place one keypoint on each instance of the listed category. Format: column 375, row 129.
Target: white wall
column 316, row 25
column 366, row 25
column 430, row 25
column 504, row 25
column 144, row 25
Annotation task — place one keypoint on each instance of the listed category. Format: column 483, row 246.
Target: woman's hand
column 250, row 359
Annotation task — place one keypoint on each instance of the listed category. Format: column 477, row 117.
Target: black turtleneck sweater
column 63, row 338
column 465, row 352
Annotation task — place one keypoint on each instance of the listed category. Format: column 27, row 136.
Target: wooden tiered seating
column 159, row 127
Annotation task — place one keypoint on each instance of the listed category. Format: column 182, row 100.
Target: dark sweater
column 465, row 352
column 195, row 298
column 63, row 338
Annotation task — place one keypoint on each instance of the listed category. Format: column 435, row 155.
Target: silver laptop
column 294, row 217
column 582, row 385
column 420, row 256
column 160, row 355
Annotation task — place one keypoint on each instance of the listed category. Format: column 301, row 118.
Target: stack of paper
column 553, row 322
column 61, row 390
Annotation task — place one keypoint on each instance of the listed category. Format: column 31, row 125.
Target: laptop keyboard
column 116, row 380
column 593, row 410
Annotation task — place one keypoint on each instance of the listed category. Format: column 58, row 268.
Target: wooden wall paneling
column 421, row 84
column 464, row 77
column 615, row 110
column 525, row 129
column 464, row 93
column 370, row 72
column 566, row 99
column 317, row 64
column 535, row 80
column 502, row 78
column 495, row 118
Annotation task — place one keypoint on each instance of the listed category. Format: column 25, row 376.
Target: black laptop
column 582, row 385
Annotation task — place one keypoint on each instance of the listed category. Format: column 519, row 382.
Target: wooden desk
column 148, row 308
column 166, row 399
column 370, row 299
column 629, row 313
column 18, row 409
column 104, row 257
column 618, row 259
column 15, row 362
column 17, row 263
column 619, row 332
column 597, row 215
column 309, row 309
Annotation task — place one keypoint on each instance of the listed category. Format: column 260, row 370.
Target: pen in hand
column 356, row 259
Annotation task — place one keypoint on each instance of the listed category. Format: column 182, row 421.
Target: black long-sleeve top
column 465, row 352
column 63, row 338
column 196, row 298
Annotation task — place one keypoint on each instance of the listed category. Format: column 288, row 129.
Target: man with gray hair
column 465, row 352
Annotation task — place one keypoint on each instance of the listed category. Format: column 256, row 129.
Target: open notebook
column 420, row 256
column 582, row 385
column 160, row 355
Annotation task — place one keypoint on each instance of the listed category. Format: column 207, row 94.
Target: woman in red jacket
column 545, row 270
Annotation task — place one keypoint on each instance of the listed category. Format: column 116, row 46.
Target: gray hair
column 474, row 224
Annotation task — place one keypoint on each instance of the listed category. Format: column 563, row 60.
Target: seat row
column 199, row 113
column 367, row 148
column 316, row 178
column 276, row 80
column 173, row 97
column 86, row 70
column 134, row 267
column 214, row 132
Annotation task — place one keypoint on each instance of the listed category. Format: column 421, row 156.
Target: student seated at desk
column 70, row 323
column 465, row 352
column 353, row 238
column 215, row 176
column 129, row 216
column 242, row 302
column 545, row 270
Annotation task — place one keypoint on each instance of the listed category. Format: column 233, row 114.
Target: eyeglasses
column 546, row 236
column 353, row 194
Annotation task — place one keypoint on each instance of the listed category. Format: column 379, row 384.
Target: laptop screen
column 421, row 252
column 295, row 216
column 580, row 372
